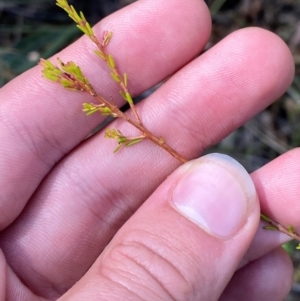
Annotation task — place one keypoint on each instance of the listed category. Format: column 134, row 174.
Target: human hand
column 64, row 200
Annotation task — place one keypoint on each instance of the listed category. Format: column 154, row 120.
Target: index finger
column 40, row 122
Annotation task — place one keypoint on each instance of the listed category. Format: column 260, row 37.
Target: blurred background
column 31, row 29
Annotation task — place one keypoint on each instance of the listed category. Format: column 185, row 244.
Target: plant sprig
column 272, row 225
column 70, row 76
column 123, row 141
column 85, row 27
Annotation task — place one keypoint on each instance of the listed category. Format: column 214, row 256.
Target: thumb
column 184, row 243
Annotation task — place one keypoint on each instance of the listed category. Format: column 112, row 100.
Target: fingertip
column 250, row 65
column 216, row 193
column 271, row 48
column 277, row 184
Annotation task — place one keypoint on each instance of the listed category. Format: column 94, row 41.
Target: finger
column 268, row 278
column 40, row 122
column 275, row 202
column 277, row 185
column 110, row 187
column 16, row 290
column 184, row 243
column 2, row 277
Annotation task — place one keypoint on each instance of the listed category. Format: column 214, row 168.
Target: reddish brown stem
column 117, row 73
column 276, row 226
column 158, row 141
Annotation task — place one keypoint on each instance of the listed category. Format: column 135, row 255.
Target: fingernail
column 216, row 193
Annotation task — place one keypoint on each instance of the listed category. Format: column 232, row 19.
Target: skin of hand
column 79, row 222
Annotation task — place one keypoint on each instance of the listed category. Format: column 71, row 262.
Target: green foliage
column 90, row 108
column 79, row 19
column 115, row 77
column 69, row 75
column 100, row 54
column 122, row 140
column 111, row 61
column 106, row 38
column 125, row 79
column 265, row 218
column 270, row 228
column 291, row 229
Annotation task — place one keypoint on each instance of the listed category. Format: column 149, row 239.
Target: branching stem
column 70, row 76
column 272, row 225
column 145, row 132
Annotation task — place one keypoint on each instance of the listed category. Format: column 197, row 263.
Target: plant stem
column 145, row 132
column 76, row 81
column 117, row 73
column 277, row 226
